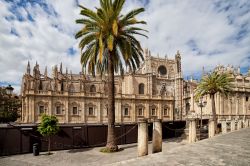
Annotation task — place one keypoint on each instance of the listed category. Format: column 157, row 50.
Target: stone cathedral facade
column 155, row 90
column 234, row 106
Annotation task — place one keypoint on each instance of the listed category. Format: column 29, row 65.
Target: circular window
column 162, row 70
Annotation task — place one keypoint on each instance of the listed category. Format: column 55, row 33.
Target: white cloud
column 205, row 32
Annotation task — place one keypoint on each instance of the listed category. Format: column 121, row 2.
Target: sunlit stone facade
column 234, row 106
column 155, row 90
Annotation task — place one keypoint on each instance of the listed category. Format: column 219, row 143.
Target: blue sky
column 207, row 33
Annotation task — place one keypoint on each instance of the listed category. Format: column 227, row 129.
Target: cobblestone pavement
column 229, row 149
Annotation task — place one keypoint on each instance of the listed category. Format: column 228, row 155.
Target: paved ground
column 228, row 149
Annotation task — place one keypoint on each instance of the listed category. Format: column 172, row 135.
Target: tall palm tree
column 211, row 84
column 108, row 45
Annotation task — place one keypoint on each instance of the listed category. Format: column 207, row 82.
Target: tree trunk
column 49, row 145
column 111, row 142
column 214, row 112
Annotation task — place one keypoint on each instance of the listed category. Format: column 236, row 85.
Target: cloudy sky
column 207, row 33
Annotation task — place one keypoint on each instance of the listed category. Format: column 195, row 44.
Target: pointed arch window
column 141, row 88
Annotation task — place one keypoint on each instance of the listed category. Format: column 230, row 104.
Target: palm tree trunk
column 214, row 112
column 111, row 142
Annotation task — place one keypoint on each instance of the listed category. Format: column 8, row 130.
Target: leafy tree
column 48, row 127
column 211, row 84
column 108, row 45
column 9, row 107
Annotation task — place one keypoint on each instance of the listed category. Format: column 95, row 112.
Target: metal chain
column 174, row 129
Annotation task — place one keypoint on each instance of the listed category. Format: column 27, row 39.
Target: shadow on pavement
column 79, row 150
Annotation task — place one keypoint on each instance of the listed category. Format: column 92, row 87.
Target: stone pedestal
column 157, row 136
column 232, row 125
column 192, row 131
column 246, row 123
column 239, row 125
column 224, row 126
column 211, row 128
column 142, row 137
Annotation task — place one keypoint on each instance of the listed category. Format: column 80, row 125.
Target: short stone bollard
column 232, row 125
column 248, row 123
column 192, row 131
column 245, row 123
column 211, row 128
column 142, row 137
column 224, row 126
column 239, row 125
column 157, row 136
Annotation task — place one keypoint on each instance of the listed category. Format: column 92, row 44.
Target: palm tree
column 108, row 45
column 211, row 84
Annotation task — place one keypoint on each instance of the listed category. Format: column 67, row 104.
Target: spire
column 146, row 51
column 203, row 71
column 28, row 68
column 55, row 71
column 178, row 55
column 61, row 68
column 238, row 70
column 45, row 72
column 71, row 76
column 191, row 78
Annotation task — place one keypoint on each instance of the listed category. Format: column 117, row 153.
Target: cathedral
column 155, row 90
column 234, row 106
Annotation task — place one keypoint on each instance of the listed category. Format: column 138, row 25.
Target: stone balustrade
column 234, row 125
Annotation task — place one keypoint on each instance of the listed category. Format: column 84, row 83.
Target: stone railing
column 226, row 126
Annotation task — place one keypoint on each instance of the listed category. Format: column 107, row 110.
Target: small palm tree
column 211, row 84
column 108, row 45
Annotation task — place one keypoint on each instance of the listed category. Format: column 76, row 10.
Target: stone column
column 34, row 110
column 211, row 128
column 224, row 126
column 50, row 106
column 99, row 111
column 83, row 120
column 229, row 109
column 192, row 131
column 133, row 112
column 237, row 107
column 26, row 110
column 245, row 123
column 66, row 111
column 146, row 110
column 157, row 136
column 119, row 108
column 142, row 137
column 232, row 125
column 218, row 104
column 239, row 125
